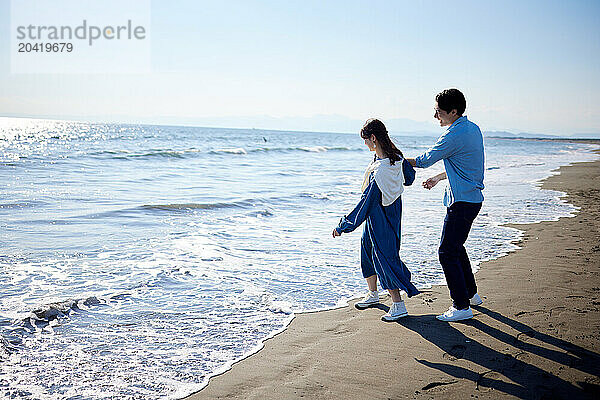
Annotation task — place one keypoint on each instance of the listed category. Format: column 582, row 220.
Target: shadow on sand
column 507, row 371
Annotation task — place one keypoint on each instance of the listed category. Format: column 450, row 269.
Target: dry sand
column 537, row 336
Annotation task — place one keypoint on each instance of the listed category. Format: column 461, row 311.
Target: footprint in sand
column 455, row 353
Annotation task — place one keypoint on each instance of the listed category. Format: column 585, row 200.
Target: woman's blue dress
column 380, row 241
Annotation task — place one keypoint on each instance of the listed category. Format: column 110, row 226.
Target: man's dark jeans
column 452, row 253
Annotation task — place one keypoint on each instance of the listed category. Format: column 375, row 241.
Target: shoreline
column 434, row 358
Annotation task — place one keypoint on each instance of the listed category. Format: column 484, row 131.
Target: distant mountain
column 527, row 135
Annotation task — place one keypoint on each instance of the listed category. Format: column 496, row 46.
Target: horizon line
column 95, row 120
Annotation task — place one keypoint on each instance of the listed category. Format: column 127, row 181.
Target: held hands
column 335, row 233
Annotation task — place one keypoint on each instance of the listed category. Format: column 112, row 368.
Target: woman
column 380, row 207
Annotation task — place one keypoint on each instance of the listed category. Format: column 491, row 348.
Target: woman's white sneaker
column 455, row 315
column 370, row 299
column 476, row 300
column 397, row 311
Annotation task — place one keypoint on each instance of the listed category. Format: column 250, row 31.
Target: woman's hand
column 335, row 233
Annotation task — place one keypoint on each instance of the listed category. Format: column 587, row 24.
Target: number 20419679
column 26, row 47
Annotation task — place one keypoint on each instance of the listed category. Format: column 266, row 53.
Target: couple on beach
column 380, row 208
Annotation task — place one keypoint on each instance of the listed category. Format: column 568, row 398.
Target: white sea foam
column 238, row 150
column 314, row 149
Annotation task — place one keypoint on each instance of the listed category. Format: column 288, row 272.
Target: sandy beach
column 537, row 335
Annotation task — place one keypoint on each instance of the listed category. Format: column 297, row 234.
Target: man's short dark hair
column 451, row 99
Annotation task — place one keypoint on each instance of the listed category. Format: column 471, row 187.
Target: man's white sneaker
column 476, row 300
column 370, row 299
column 455, row 315
column 397, row 311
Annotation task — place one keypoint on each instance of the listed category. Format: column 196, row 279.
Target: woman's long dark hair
column 376, row 127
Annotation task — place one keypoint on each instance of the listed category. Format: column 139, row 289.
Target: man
column 461, row 148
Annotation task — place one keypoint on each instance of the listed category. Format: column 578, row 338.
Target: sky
column 524, row 66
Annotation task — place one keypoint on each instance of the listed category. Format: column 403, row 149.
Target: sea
column 137, row 261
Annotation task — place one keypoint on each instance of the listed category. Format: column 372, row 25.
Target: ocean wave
column 241, row 204
column 193, row 152
column 163, row 154
column 14, row 331
column 202, row 206
column 251, row 203
column 109, row 152
column 246, row 204
column 311, row 149
column 43, row 316
column 21, row 204
column 148, row 154
column 261, row 213
column 153, row 154
column 315, row 149
column 281, row 307
column 316, row 196
column 531, row 164
column 53, row 311
column 237, row 150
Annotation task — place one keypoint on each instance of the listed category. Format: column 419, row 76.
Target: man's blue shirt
column 461, row 148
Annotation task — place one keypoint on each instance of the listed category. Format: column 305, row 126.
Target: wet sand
column 537, row 335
